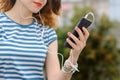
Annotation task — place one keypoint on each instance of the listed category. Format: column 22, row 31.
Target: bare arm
column 53, row 66
column 52, row 63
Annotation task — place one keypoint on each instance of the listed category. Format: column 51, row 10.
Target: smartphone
column 83, row 22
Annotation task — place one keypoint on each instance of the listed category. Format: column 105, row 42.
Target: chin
column 35, row 10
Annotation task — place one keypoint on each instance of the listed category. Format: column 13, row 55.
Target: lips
column 38, row 4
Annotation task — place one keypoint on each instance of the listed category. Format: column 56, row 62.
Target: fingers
column 79, row 44
column 86, row 35
column 75, row 39
column 82, row 37
column 80, row 33
column 73, row 45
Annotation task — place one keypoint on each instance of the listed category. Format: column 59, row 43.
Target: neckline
column 17, row 22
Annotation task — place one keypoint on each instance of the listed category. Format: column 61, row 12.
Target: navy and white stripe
column 23, row 49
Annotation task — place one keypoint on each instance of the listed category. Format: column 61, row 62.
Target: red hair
column 48, row 12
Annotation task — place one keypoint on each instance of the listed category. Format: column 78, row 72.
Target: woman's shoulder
column 48, row 29
column 49, row 34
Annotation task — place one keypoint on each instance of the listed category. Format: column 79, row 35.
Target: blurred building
column 67, row 11
column 109, row 7
column 115, row 15
column 101, row 6
column 114, row 10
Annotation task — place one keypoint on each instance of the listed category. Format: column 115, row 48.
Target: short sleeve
column 0, row 32
column 50, row 36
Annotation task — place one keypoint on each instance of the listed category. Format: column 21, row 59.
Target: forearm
column 65, row 73
column 67, row 70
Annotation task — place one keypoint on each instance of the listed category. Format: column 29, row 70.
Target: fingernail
column 67, row 39
column 68, row 33
column 76, row 28
column 83, row 27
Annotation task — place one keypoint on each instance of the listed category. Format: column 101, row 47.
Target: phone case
column 82, row 23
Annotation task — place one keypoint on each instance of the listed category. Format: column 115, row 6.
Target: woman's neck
column 20, row 14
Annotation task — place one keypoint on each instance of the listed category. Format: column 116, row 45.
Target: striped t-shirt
column 23, row 49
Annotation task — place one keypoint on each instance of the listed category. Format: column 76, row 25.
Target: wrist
column 69, row 67
column 72, row 59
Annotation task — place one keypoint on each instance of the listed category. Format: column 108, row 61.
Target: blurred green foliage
column 99, row 59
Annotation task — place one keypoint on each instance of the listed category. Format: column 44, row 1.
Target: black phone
column 83, row 22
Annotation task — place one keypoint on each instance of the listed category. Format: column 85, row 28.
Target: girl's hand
column 79, row 44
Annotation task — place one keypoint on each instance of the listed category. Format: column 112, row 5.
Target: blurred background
column 100, row 60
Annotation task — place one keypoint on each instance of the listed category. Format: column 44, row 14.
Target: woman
column 28, row 41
